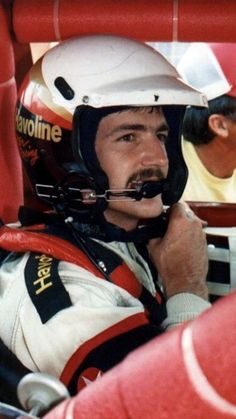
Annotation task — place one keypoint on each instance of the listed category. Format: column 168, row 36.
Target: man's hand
column 181, row 255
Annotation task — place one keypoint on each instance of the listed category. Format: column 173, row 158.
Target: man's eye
column 162, row 137
column 126, row 138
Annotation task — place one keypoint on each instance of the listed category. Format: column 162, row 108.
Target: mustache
column 145, row 174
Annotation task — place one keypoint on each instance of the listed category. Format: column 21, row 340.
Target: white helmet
column 95, row 73
column 109, row 71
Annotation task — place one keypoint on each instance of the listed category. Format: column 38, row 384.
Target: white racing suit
column 60, row 316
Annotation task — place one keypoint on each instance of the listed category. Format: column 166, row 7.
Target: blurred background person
column 209, row 135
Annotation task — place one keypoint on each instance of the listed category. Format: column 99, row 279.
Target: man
column 209, row 144
column 97, row 125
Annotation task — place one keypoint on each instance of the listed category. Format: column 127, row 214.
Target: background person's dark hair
column 195, row 124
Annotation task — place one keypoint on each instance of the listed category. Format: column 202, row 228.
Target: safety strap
column 221, row 279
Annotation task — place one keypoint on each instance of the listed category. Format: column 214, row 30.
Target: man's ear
column 218, row 124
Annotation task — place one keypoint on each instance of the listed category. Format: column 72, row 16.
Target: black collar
column 96, row 227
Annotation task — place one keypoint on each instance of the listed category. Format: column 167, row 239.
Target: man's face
column 130, row 146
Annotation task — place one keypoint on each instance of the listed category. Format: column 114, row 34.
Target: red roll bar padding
column 189, row 372
column 11, row 188
column 217, row 214
column 152, row 20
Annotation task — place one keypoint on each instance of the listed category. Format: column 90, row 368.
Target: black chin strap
column 96, row 226
column 107, row 232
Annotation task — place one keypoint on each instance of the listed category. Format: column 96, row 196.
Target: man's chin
column 151, row 207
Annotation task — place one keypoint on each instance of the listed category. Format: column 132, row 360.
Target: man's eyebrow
column 163, row 127
column 136, row 127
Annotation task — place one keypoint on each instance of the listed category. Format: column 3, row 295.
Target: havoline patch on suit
column 44, row 286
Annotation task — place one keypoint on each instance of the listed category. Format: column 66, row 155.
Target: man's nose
column 153, row 153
